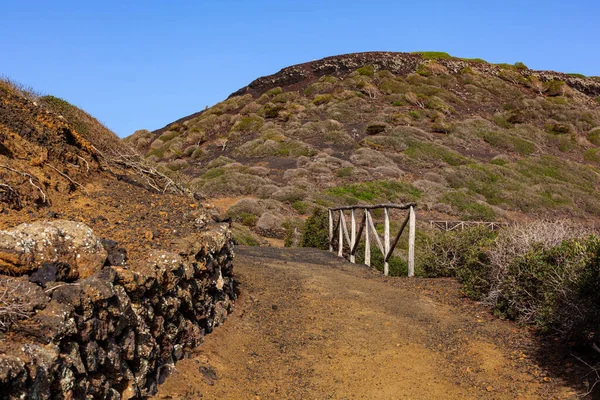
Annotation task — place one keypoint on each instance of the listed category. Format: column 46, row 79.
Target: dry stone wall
column 114, row 333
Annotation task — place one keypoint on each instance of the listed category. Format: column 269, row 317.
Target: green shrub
column 505, row 141
column 591, row 155
column 545, row 274
column 594, row 136
column 300, row 206
column 293, row 232
column 520, row 66
column 475, row 60
column 248, row 124
column 177, row 165
column 432, row 152
column 319, row 88
column 498, row 161
column 434, row 55
column 558, row 128
column 556, row 289
column 469, row 209
column 366, row 70
column 165, row 137
column 246, row 219
column 213, row 173
column 423, row 70
column 315, row 232
column 219, row 162
column 505, row 66
column 322, row 99
column 375, row 191
column 375, row 127
column 460, row 254
column 243, row 236
column 555, row 87
column 397, row 265
column 270, row 110
column 159, row 151
column 274, row 92
column 344, row 172
column 391, row 85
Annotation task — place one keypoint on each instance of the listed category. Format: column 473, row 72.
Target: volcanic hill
column 466, row 139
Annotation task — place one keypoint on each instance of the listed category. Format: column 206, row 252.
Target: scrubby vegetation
column 546, row 274
column 464, row 138
column 315, row 231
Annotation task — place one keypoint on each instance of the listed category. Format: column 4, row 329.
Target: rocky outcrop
column 115, row 332
column 397, row 63
column 28, row 247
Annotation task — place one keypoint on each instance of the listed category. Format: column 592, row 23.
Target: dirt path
column 311, row 326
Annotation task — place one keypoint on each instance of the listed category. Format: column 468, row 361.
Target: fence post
column 341, row 235
column 386, row 241
column 353, row 237
column 411, row 242
column 367, row 240
column 330, row 230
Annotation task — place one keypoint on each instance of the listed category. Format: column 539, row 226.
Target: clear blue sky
column 143, row 64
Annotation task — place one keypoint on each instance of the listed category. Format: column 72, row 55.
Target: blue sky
column 143, row 64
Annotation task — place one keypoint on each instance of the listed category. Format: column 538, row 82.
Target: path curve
column 309, row 325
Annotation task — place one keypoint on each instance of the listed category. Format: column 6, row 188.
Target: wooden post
column 330, row 230
column 367, row 240
column 411, row 242
column 341, row 236
column 386, row 241
column 353, row 236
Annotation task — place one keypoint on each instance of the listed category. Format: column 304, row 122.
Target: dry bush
column 415, row 100
column 128, row 158
column 246, row 206
column 517, row 240
column 15, row 302
column 19, row 88
column 265, row 191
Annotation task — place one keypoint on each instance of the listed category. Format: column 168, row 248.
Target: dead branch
column 58, row 286
column 12, row 306
column 25, row 174
column 135, row 162
column 87, row 165
column 154, row 178
column 68, row 178
column 593, row 370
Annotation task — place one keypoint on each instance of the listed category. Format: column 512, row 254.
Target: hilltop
column 464, row 138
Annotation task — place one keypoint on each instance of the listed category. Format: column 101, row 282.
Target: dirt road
column 310, row 326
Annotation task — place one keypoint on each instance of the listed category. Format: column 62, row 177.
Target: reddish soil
column 311, row 326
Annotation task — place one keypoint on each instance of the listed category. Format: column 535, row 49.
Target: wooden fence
column 339, row 229
column 462, row 225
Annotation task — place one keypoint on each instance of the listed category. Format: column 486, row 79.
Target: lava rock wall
column 117, row 333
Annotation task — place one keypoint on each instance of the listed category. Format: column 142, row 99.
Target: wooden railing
column 338, row 229
column 462, row 225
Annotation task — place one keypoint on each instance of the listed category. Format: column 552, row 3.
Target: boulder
column 28, row 247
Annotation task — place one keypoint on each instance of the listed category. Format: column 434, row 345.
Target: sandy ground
column 311, row 326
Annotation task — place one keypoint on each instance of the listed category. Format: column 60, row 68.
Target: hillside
column 465, row 139
column 109, row 273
